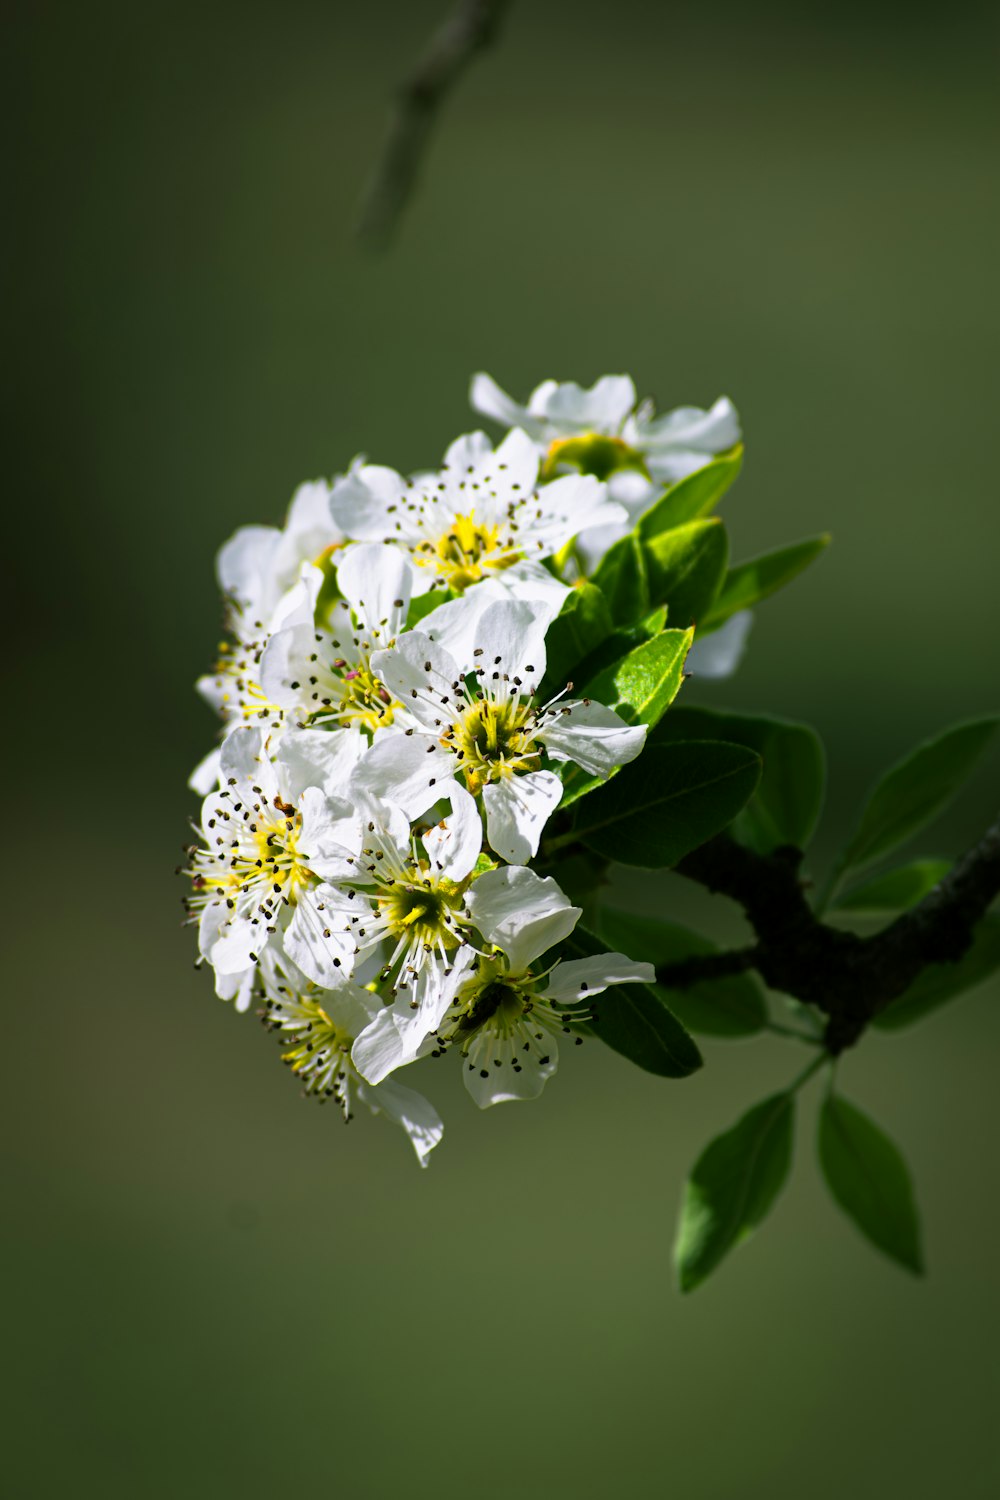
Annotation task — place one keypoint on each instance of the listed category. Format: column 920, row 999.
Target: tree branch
column 470, row 28
column 847, row 977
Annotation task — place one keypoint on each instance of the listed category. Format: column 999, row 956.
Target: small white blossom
column 602, row 431
column 316, row 1029
column 259, row 564
column 495, row 732
column 321, row 673
column 268, row 835
column 509, row 1014
column 481, row 516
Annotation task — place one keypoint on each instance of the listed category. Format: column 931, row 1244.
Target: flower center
column 467, row 551
column 497, row 1005
column 493, row 739
column 421, row 910
column 347, row 692
column 239, row 691
column 592, row 453
column 320, row 1057
column 265, row 859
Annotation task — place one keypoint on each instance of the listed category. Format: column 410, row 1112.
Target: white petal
column 517, row 460
column 408, row 770
column 719, row 654
column 592, row 736
column 485, row 396
column 581, row 977
column 318, row 757
column 520, row 913
column 689, row 427
column 517, row 810
column 237, row 988
column 331, row 834
column 205, row 776
column 564, row 508
column 243, row 758
column 454, row 844
column 468, row 452
column 400, row 1033
column 406, row 1107
column 365, row 502
column 511, row 639
column 602, row 408
column 419, row 673
column 318, row 938
column 245, row 563
column 377, row 582
column 498, row 1074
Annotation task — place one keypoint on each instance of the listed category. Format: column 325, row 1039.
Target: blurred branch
column 847, row 977
column 470, row 28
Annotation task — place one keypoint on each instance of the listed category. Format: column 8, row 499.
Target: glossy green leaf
column 580, row 627
column 642, row 686
column 787, row 803
column 914, row 791
column 732, row 1188
column 667, row 802
column 895, row 891
column 943, row 982
column 621, row 576
column 634, row 1019
column 685, row 568
column 692, row 497
column 732, row 1006
column 749, row 582
column 870, row 1180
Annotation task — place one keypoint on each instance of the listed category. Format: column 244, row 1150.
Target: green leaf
column 685, row 567
column 695, row 496
column 787, row 803
column 582, row 624
column 634, row 1020
column 733, row 1006
column 749, row 582
column 667, row 802
column 870, row 1180
column 943, row 982
column 621, row 577
column 732, row 1187
column 895, row 891
column 642, row 686
column 913, row 792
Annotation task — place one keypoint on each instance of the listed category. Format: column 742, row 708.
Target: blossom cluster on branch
column 448, row 708
column 393, row 749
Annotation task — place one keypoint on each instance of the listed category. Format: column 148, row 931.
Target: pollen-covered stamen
column 320, row 1051
column 403, row 902
column 255, row 865
column 470, row 549
column 235, row 683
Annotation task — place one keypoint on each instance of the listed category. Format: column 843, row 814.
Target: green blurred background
column 213, row 1288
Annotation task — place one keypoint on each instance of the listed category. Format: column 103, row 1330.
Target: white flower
column 269, row 834
column 481, row 516
column 508, row 904
column 259, row 564
column 321, row 674
column 399, row 894
column 316, row 1029
column 508, row 1015
column 495, row 733
column 600, row 431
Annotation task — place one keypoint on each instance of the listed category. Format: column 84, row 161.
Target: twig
column 847, row 977
column 470, row 28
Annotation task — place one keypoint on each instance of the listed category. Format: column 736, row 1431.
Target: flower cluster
column 392, row 751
